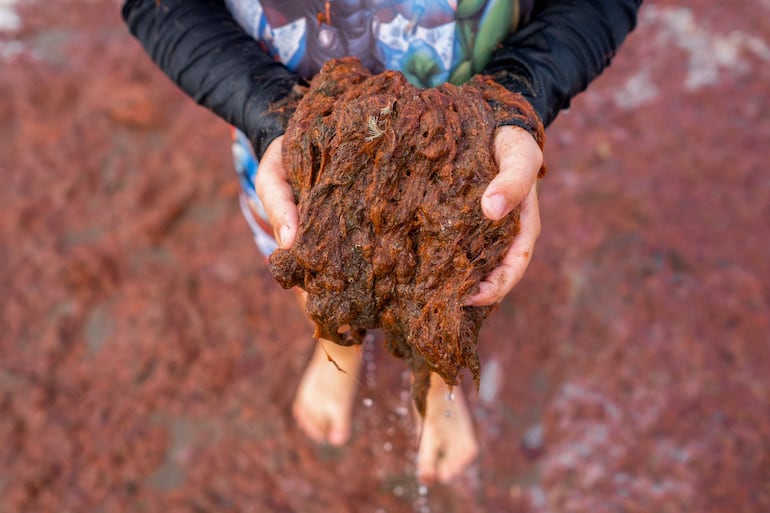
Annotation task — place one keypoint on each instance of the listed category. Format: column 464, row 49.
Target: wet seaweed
column 388, row 180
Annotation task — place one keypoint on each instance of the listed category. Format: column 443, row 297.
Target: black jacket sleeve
column 199, row 45
column 566, row 44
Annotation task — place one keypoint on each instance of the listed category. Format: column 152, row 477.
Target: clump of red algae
column 388, row 180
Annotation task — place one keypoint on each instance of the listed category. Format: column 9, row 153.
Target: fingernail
column 283, row 234
column 494, row 205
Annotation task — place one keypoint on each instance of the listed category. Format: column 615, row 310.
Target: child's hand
column 276, row 194
column 519, row 159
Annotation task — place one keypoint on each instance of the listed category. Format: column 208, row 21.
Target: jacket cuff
column 512, row 109
column 273, row 121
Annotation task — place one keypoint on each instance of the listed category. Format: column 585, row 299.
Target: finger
column 519, row 159
column 277, row 195
column 504, row 277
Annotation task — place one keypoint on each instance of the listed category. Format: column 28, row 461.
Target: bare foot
column 324, row 402
column 448, row 443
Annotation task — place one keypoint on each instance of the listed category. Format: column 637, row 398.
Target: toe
column 310, row 425
column 454, row 466
column 339, row 435
column 428, row 458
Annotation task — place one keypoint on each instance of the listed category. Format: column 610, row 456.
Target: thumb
column 519, row 159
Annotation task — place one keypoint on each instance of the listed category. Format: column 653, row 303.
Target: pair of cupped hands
column 518, row 159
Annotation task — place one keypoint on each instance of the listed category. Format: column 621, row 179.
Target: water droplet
column 538, row 496
column 450, row 396
column 421, row 503
column 370, row 367
column 367, row 402
column 402, row 411
column 398, row 491
column 447, row 414
column 387, row 446
column 491, row 380
column 533, row 437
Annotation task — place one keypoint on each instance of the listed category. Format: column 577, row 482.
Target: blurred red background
column 148, row 360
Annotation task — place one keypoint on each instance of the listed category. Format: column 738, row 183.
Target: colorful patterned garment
column 246, row 166
column 430, row 41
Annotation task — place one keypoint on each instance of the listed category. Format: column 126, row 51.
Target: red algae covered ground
column 148, row 359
